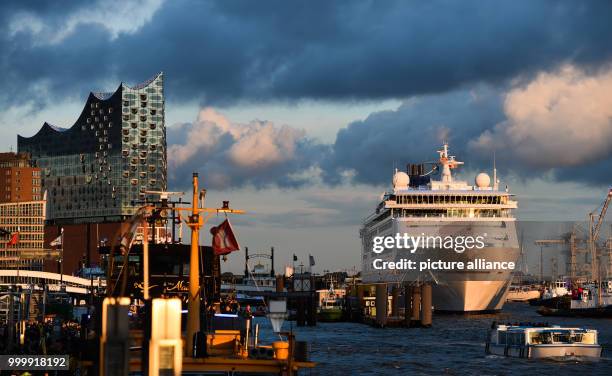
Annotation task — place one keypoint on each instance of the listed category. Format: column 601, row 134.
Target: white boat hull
column 522, row 296
column 547, row 351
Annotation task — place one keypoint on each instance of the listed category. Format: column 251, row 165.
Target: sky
column 298, row 112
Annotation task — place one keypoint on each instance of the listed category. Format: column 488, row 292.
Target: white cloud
column 558, row 119
column 232, row 153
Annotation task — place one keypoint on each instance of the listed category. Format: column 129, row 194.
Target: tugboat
column 539, row 341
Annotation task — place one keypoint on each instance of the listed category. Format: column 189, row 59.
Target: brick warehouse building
column 96, row 173
column 19, row 180
column 22, row 210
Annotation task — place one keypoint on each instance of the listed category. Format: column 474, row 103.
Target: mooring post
column 395, row 293
column 301, row 320
column 312, row 310
column 360, row 302
column 426, row 301
column 382, row 300
column 416, row 305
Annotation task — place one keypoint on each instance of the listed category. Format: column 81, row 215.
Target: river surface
column 454, row 345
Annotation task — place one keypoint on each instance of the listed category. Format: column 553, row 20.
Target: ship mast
column 448, row 162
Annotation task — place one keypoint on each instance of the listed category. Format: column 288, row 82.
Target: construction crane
column 595, row 223
column 546, row 243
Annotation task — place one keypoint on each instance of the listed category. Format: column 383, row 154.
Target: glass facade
column 101, row 168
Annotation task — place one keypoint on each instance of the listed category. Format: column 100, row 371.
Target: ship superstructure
column 444, row 210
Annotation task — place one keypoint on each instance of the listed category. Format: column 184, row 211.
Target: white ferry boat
column 436, row 209
column 542, row 342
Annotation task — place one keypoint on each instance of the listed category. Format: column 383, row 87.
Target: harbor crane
column 595, row 223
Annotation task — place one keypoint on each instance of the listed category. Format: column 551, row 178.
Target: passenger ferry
column 528, row 341
column 419, row 206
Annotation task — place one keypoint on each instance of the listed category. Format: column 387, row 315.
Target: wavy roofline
column 101, row 96
column 143, row 84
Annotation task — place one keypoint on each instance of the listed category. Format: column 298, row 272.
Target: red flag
column 14, row 239
column 224, row 241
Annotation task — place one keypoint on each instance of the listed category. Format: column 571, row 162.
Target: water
column 453, row 346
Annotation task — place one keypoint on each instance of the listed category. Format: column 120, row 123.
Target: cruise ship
column 443, row 214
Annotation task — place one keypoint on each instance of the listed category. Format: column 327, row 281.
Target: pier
column 391, row 304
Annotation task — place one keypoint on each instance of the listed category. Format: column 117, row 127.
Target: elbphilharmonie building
column 100, row 169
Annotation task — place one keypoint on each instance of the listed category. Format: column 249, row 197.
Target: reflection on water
column 453, row 346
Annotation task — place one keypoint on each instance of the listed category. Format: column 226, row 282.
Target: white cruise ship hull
column 470, row 296
column 453, row 290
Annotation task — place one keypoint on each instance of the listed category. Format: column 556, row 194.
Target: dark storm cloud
column 227, row 51
column 412, row 134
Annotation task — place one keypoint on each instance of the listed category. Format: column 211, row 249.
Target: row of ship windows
column 452, row 213
column 450, row 199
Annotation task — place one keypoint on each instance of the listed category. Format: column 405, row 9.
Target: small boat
column 331, row 307
column 542, row 341
column 522, row 294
